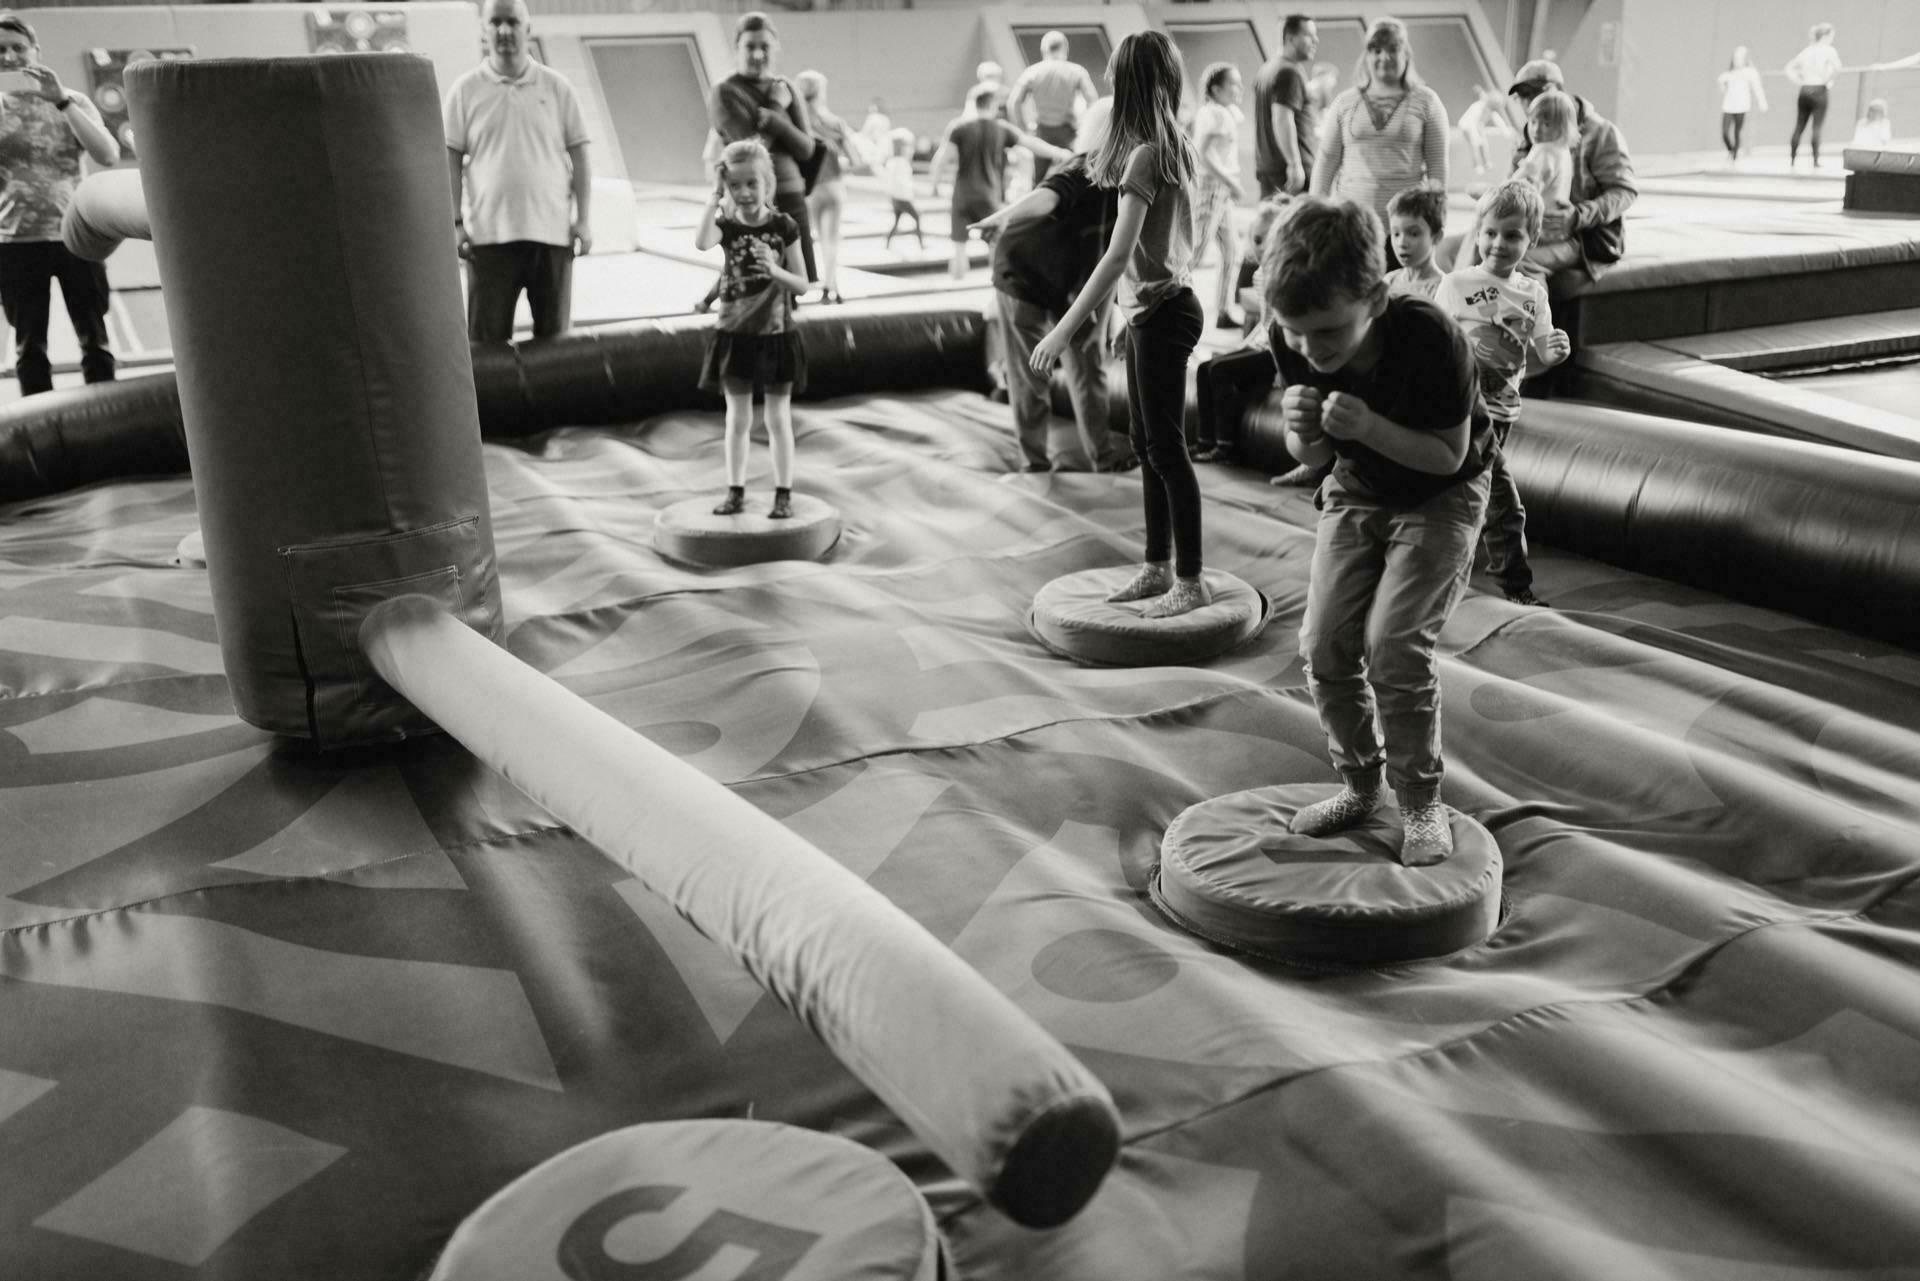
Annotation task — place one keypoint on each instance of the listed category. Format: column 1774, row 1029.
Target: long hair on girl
column 1147, row 73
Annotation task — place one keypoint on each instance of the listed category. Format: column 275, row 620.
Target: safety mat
column 275, row 1015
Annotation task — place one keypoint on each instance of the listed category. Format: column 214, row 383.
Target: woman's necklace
column 1382, row 110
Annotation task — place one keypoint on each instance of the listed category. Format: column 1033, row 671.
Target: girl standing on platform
column 1740, row 92
column 754, row 346
column 1146, row 155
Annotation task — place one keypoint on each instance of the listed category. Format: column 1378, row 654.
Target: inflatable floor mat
column 273, row 1013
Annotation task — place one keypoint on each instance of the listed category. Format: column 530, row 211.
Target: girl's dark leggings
column 1158, row 348
column 1810, row 107
column 1731, row 124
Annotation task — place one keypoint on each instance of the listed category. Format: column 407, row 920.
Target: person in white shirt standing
column 517, row 143
column 45, row 131
column 1740, row 92
column 1813, row 69
column 1060, row 90
column 1216, row 142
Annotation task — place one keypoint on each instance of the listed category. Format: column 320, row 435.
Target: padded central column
column 304, row 228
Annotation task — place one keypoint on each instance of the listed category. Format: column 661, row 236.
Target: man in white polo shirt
column 517, row 142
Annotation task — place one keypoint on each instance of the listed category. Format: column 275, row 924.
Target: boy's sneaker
column 1299, row 478
column 1426, row 835
column 1336, row 813
column 1211, row 454
column 1525, row 596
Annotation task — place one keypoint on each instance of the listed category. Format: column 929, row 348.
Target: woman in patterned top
column 1387, row 133
column 754, row 346
column 44, row 131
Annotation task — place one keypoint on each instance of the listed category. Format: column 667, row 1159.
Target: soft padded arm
column 991, row 1093
column 107, row 208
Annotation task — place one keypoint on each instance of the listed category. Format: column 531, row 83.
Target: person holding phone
column 45, row 130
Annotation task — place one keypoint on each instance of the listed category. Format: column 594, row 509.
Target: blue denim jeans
column 1384, row 581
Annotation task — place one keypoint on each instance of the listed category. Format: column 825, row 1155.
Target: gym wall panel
column 652, row 86
column 680, row 111
column 446, row 32
column 918, row 63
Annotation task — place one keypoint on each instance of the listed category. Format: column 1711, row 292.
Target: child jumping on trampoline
column 754, row 346
column 1508, row 322
column 1147, row 156
column 1382, row 386
column 898, row 171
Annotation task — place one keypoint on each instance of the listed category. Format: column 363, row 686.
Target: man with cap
column 1589, row 236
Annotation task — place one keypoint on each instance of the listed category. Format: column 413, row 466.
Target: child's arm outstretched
column 709, row 234
column 1037, row 203
column 1106, row 274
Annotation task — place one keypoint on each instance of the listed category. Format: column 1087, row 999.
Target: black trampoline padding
column 1231, row 872
column 689, row 532
column 662, row 1200
column 61, row 440
column 1072, row 617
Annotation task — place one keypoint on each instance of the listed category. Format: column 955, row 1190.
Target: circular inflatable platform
column 1231, row 872
column 691, row 533
column 805, row 1206
column 1072, row 617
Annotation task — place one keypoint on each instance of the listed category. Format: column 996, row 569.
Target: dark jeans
column 27, row 270
column 1158, row 349
column 1383, row 581
column 1731, row 125
column 794, row 205
column 1505, row 531
column 497, row 273
column 1810, row 106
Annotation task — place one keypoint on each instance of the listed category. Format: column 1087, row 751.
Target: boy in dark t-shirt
column 976, row 145
column 1384, row 387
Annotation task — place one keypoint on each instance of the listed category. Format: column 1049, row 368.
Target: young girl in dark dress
column 754, row 346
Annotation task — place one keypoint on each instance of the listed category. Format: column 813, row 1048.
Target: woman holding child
column 1387, row 133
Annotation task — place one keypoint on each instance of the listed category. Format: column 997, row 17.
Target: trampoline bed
column 279, row 1014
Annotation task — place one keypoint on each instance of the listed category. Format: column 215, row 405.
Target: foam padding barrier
column 1072, row 617
column 1829, row 534
column 621, row 373
column 664, row 1200
column 107, row 208
column 323, row 369
column 1231, row 872
column 61, row 440
column 689, row 532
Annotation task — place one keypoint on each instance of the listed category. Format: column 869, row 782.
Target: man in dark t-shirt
column 1040, row 264
column 1286, row 119
column 977, row 144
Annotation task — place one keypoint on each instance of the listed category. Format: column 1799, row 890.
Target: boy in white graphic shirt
column 1508, row 323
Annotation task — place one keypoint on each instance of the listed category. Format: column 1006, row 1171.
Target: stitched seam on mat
column 330, row 877
column 1280, row 1082
column 1661, row 989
